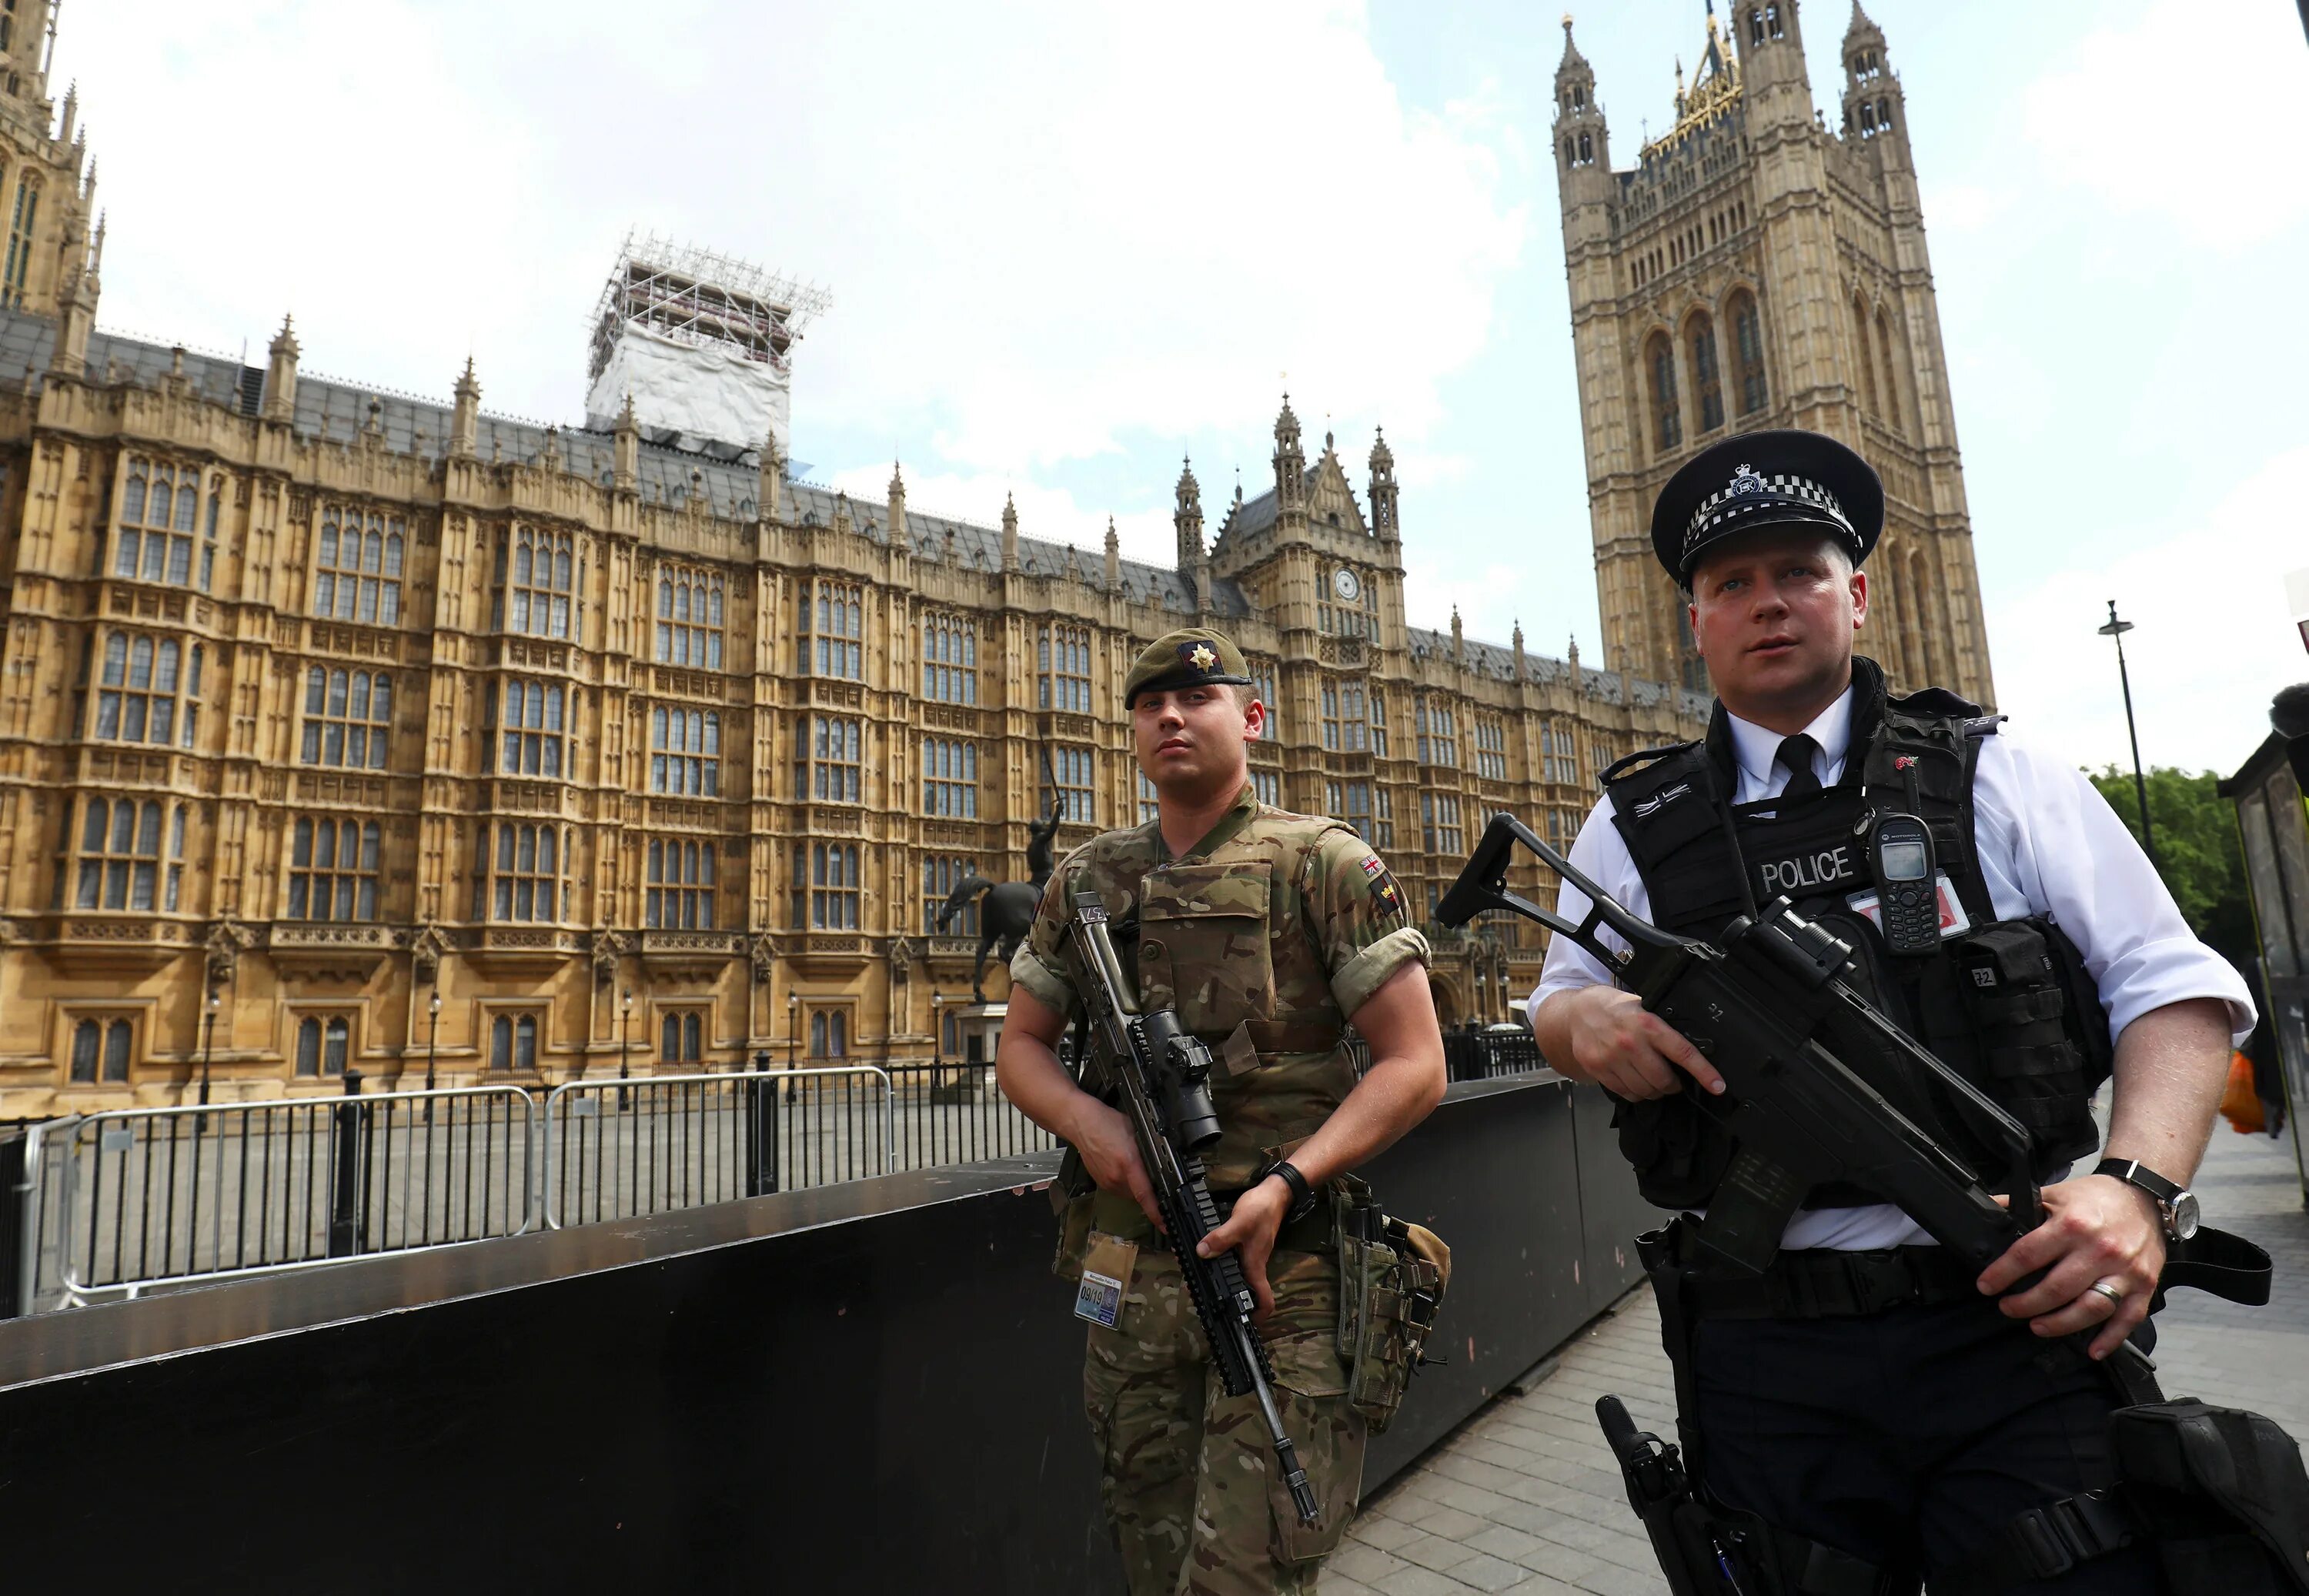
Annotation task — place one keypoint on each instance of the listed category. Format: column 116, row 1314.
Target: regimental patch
column 1383, row 890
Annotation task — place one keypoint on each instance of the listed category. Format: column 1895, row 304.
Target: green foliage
column 2197, row 851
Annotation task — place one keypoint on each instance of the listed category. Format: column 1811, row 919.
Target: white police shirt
column 2048, row 845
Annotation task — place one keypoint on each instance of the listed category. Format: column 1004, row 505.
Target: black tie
column 1795, row 753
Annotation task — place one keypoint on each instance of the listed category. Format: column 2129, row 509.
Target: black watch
column 2176, row 1203
column 1302, row 1195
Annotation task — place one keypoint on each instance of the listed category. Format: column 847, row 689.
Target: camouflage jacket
column 1266, row 937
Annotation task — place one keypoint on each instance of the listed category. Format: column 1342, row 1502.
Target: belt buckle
column 2045, row 1544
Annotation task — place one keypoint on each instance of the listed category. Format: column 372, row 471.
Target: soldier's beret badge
column 1200, row 656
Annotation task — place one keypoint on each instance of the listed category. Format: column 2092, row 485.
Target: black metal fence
column 160, row 1196
column 954, row 1114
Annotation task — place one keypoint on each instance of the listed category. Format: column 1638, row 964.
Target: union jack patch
column 1372, row 866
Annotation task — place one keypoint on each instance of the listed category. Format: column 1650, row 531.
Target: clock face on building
column 1343, row 581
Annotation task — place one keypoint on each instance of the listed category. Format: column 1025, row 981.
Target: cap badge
column 1745, row 481
column 1201, row 657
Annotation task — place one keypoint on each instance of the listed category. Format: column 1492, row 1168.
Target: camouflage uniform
column 1266, row 937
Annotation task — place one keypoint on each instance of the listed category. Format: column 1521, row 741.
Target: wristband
column 1302, row 1195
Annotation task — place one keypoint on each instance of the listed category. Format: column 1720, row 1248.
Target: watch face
column 2183, row 1215
column 1344, row 581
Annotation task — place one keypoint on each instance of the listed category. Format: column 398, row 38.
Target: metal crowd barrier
column 154, row 1197
column 618, row 1149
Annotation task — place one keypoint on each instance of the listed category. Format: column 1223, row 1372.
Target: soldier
column 1268, row 932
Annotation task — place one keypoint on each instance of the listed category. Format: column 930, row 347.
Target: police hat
column 1779, row 477
column 1190, row 656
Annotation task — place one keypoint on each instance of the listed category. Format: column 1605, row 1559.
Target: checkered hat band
column 1750, row 493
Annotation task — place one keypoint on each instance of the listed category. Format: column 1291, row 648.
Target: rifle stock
column 1821, row 1086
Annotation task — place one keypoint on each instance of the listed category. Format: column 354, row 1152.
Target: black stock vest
column 2008, row 1005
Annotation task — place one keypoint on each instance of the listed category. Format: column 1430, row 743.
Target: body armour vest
column 2008, row 1005
column 1222, row 937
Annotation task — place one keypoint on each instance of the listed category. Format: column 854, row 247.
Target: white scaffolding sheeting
column 702, row 343
column 711, row 400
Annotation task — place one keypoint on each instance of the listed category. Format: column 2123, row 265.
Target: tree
column 2197, row 852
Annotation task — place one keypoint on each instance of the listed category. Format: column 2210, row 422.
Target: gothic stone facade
column 1755, row 270
column 339, row 729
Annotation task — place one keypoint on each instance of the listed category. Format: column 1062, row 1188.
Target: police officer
column 1864, row 1398
column 1269, row 932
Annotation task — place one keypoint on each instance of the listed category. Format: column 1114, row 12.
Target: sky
column 1069, row 244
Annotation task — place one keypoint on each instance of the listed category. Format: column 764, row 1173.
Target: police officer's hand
column 1252, row 1227
column 1621, row 1046
column 1102, row 1137
column 2095, row 1229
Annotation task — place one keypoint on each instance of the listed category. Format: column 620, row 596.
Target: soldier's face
column 1192, row 739
column 1774, row 614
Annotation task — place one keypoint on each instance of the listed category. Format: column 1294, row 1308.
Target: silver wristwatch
column 2176, row 1203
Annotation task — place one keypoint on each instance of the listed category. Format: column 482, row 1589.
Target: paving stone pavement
column 1524, row 1498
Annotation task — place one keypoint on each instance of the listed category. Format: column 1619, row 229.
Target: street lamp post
column 432, row 1046
column 208, row 1045
column 625, row 1045
column 2116, row 629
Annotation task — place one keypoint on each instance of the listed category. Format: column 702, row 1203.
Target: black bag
column 2221, row 1493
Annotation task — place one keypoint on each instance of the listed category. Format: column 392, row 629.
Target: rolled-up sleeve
column 1039, row 965
column 2072, row 859
column 1361, row 918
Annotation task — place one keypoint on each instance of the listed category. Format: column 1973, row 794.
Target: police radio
column 1908, row 885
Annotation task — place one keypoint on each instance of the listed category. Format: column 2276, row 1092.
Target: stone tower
column 1754, row 270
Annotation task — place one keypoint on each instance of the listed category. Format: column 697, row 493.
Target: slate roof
column 330, row 408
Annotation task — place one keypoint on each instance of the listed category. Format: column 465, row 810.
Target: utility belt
column 2220, row 1494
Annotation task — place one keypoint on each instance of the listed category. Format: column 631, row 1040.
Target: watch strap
column 2167, row 1194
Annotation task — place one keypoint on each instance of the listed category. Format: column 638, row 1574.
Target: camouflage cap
column 1190, row 656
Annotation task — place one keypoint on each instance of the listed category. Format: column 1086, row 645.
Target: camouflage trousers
column 1186, row 1472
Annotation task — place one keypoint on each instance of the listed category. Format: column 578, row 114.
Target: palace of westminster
column 343, row 729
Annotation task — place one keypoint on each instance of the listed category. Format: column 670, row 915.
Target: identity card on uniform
column 1954, row 921
column 1105, row 1278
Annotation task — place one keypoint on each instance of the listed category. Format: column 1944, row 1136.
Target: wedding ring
column 2110, row 1290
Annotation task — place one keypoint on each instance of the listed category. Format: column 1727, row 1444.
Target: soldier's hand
column 1102, row 1137
column 2095, row 1228
column 1625, row 1048
column 1252, row 1227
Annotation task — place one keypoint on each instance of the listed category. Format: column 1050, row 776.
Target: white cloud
column 2191, row 111
column 1049, row 227
column 2213, row 640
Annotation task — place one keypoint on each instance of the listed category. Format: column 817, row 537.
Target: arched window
column 1667, row 420
column 1883, row 115
column 336, row 1041
column 686, row 752
column 949, row 659
column 818, row 1034
column 1892, row 368
column 1587, row 149
column 689, row 618
column 525, row 1042
column 1707, row 384
column 668, row 1047
column 120, row 854
column 87, row 1042
column 21, row 221
column 680, row 893
column 501, row 1042
column 356, row 562
column 1867, row 356
column 1568, row 156
column 117, row 1040
column 1756, row 25
column 1748, row 352
column 537, row 599
column 308, row 1047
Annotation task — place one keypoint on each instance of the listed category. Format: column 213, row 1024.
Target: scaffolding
column 701, row 297
column 700, row 344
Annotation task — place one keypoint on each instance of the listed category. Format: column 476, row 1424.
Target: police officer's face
column 1190, row 739
column 1773, row 614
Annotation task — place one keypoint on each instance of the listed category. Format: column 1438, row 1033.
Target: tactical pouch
column 1392, row 1277
column 2014, row 993
column 2222, row 1494
column 1072, row 1194
column 1678, row 1163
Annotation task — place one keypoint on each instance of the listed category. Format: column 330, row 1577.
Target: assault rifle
column 1163, row 1073
column 1819, row 1086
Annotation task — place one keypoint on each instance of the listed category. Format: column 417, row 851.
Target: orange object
column 2240, row 1103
